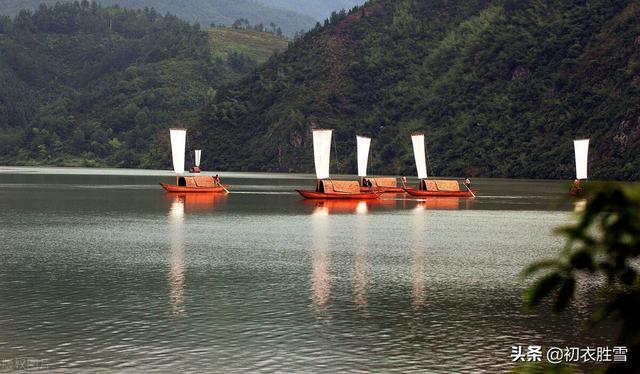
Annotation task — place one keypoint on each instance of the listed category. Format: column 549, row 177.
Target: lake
column 101, row 269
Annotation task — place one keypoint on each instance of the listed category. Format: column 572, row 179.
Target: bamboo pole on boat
column 469, row 189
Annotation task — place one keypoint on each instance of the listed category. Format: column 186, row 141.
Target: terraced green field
column 257, row 45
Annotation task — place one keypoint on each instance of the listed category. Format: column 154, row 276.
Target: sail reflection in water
column 350, row 206
column 579, row 205
column 418, row 241
column 320, row 277
column 361, row 279
column 176, row 257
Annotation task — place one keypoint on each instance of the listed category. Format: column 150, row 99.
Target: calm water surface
column 100, row 269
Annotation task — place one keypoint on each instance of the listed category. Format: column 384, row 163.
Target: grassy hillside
column 259, row 46
column 86, row 85
column 501, row 88
column 220, row 12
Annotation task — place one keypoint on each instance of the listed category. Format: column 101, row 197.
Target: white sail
column 419, row 154
column 198, row 154
column 363, row 154
column 322, row 152
column 178, row 140
column 582, row 154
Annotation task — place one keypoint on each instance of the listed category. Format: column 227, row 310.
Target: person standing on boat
column 467, row 183
column 217, row 179
column 576, row 188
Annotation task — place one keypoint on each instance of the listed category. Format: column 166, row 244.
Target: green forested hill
column 501, row 88
column 220, row 12
column 86, row 85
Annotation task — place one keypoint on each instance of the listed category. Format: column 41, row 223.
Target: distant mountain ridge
column 318, row 9
column 203, row 11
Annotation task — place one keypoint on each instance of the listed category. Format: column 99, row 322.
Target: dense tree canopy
column 87, row 85
column 500, row 87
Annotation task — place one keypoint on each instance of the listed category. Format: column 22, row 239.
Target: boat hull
column 383, row 189
column 576, row 192
column 174, row 188
column 422, row 193
column 343, row 196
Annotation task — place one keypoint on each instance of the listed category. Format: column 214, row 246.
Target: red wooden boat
column 325, row 187
column 339, row 195
column 439, row 188
column 370, row 184
column 432, row 187
column 174, row 188
column 330, row 189
column 422, row 193
column 200, row 184
column 575, row 192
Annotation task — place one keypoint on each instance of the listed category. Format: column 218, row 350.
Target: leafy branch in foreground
column 602, row 248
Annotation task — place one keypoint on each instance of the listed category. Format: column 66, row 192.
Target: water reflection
column 198, row 202
column 242, row 309
column 361, row 278
column 579, row 205
column 176, row 256
column 349, row 206
column 418, row 242
column 335, row 206
column 445, row 203
column 361, row 208
column 320, row 277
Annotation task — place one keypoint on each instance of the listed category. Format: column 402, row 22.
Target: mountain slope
column 203, row 11
column 86, row 85
column 501, row 89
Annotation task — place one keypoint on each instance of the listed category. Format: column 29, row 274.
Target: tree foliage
column 87, row 85
column 602, row 250
column 501, row 89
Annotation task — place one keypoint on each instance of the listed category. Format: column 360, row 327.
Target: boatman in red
column 576, row 188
